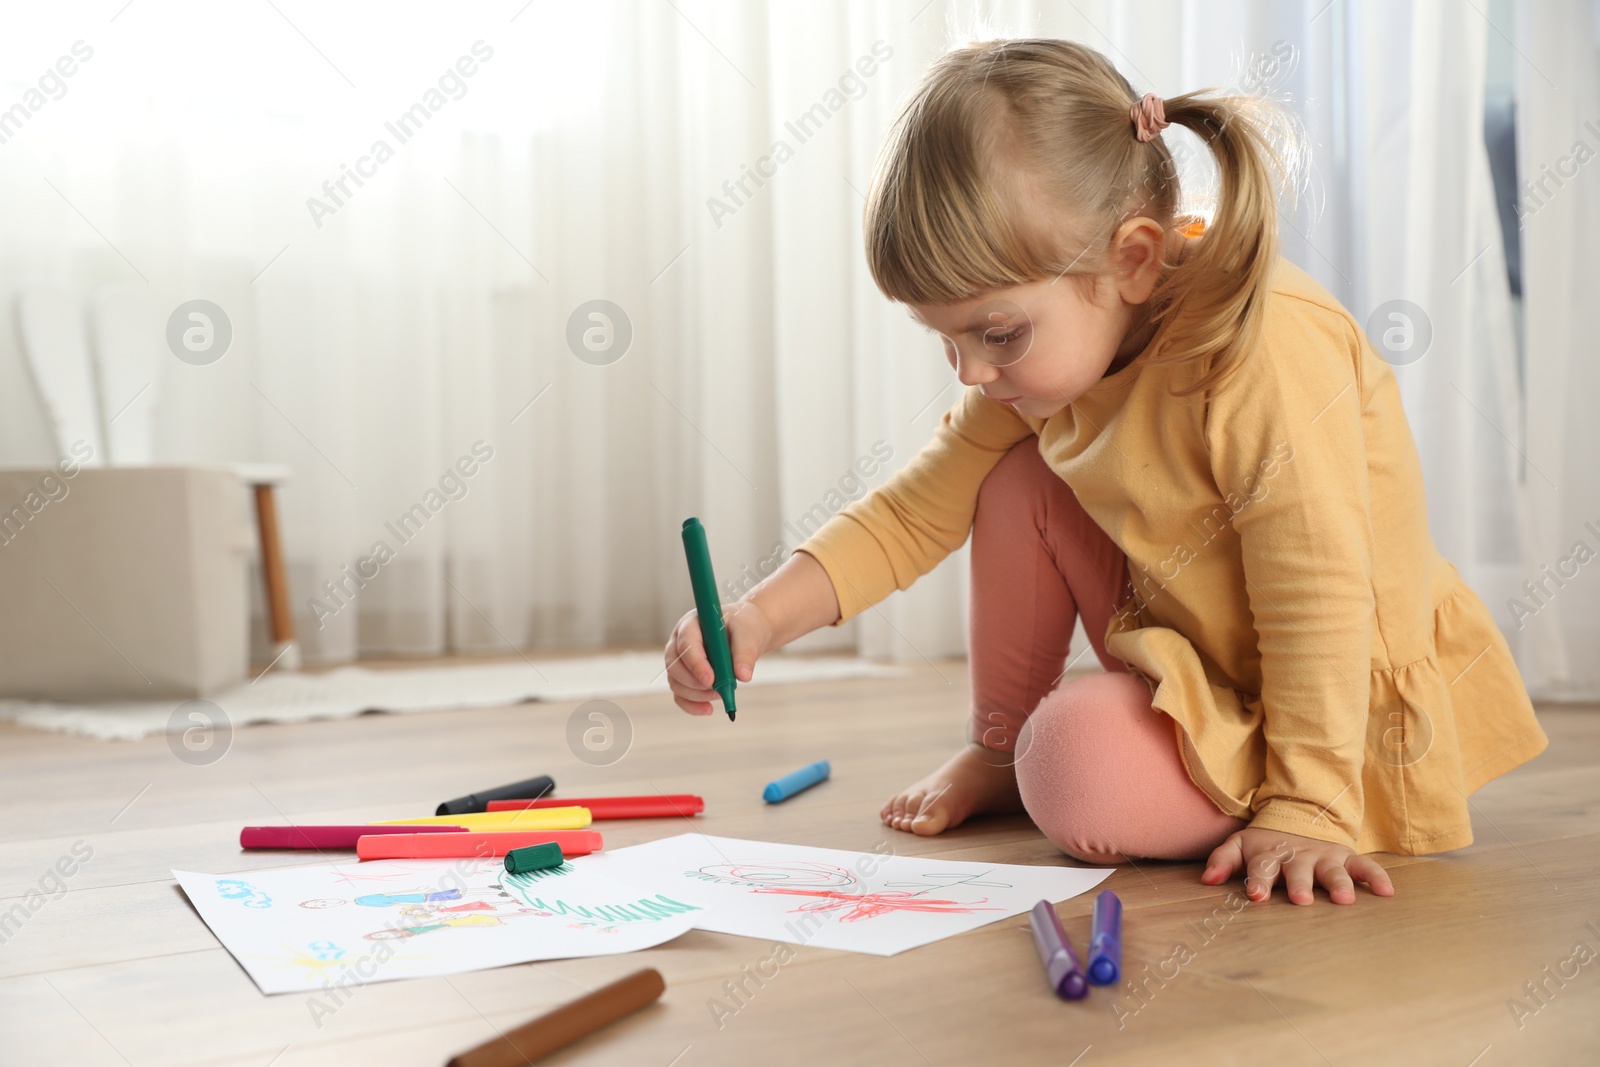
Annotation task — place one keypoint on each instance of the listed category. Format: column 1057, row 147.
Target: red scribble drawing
column 791, row 873
column 853, row 906
column 835, row 890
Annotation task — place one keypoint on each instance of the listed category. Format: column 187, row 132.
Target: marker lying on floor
column 566, row 817
column 541, row 786
column 790, row 784
column 651, row 807
column 1105, row 939
column 1061, row 966
column 326, row 836
column 534, row 1040
column 481, row 845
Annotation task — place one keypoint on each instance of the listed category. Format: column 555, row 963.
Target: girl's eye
column 993, row 337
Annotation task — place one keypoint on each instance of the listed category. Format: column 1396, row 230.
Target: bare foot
column 974, row 781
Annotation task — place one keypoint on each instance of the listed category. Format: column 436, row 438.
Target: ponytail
column 1212, row 304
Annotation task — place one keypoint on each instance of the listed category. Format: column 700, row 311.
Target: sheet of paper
column 336, row 924
column 879, row 904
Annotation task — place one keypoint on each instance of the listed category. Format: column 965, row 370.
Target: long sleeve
column 1288, row 450
column 905, row 527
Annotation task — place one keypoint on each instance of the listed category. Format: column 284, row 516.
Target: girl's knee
column 1069, row 771
column 1080, row 718
column 1099, row 771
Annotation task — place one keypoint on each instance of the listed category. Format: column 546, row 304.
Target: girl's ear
column 1136, row 250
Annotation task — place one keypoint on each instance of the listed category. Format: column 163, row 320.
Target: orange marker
column 389, row 846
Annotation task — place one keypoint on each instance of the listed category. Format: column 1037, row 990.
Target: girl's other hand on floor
column 1302, row 861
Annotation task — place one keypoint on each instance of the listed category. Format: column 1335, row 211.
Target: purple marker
column 1061, row 964
column 1105, row 939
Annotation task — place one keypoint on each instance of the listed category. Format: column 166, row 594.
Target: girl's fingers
column 691, row 653
column 693, row 707
column 1366, row 869
column 697, row 697
column 1225, row 859
column 684, row 684
column 686, row 659
column 1299, row 880
column 686, row 690
column 1336, row 880
column 742, row 643
column 1261, row 872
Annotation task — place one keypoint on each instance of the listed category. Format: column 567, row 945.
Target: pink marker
column 327, row 836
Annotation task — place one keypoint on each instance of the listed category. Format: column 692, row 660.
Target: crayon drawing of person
column 437, row 923
column 422, row 896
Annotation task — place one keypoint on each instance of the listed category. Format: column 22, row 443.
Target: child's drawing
column 419, row 918
column 443, row 917
column 415, row 896
column 801, row 875
column 244, row 892
column 857, row 901
column 833, row 889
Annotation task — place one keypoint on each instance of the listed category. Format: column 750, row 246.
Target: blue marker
column 790, row 784
column 1105, row 939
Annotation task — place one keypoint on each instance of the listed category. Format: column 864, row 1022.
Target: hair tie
column 1149, row 117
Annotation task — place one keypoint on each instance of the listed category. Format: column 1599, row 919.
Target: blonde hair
column 1016, row 161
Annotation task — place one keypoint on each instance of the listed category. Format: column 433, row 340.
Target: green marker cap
column 534, row 858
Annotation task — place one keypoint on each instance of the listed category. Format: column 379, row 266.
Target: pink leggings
column 1098, row 769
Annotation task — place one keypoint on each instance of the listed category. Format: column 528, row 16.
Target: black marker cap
column 532, row 789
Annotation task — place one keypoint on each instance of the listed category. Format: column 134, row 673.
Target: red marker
column 325, row 836
column 409, row 846
column 651, row 807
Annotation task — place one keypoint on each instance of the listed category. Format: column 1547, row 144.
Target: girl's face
column 1036, row 347
column 1040, row 346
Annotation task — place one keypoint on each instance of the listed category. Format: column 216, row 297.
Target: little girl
column 1177, row 435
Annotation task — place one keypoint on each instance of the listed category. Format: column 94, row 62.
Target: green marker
column 533, row 858
column 709, row 607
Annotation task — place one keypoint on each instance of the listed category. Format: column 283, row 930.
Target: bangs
column 938, row 230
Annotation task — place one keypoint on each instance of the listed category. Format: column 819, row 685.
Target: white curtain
column 1558, row 140
column 700, row 166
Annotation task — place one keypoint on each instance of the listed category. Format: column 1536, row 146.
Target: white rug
column 287, row 696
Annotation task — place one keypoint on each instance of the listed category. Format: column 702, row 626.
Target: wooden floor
column 120, row 970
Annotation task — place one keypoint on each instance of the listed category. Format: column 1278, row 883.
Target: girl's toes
column 931, row 820
column 897, row 811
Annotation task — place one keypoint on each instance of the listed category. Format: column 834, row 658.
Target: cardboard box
column 123, row 583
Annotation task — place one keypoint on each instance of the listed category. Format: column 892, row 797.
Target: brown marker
column 564, row 1025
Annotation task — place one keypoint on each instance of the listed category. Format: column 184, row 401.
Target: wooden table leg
column 281, row 622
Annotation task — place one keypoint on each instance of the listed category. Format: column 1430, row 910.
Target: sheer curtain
column 700, row 167
column 1558, row 86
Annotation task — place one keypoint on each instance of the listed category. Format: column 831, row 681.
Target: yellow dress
column 1327, row 671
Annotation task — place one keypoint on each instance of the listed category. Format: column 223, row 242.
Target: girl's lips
column 1006, row 399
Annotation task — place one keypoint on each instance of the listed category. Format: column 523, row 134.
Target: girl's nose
column 970, row 371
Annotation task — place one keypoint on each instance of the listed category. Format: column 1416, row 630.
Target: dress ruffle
column 1420, row 766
